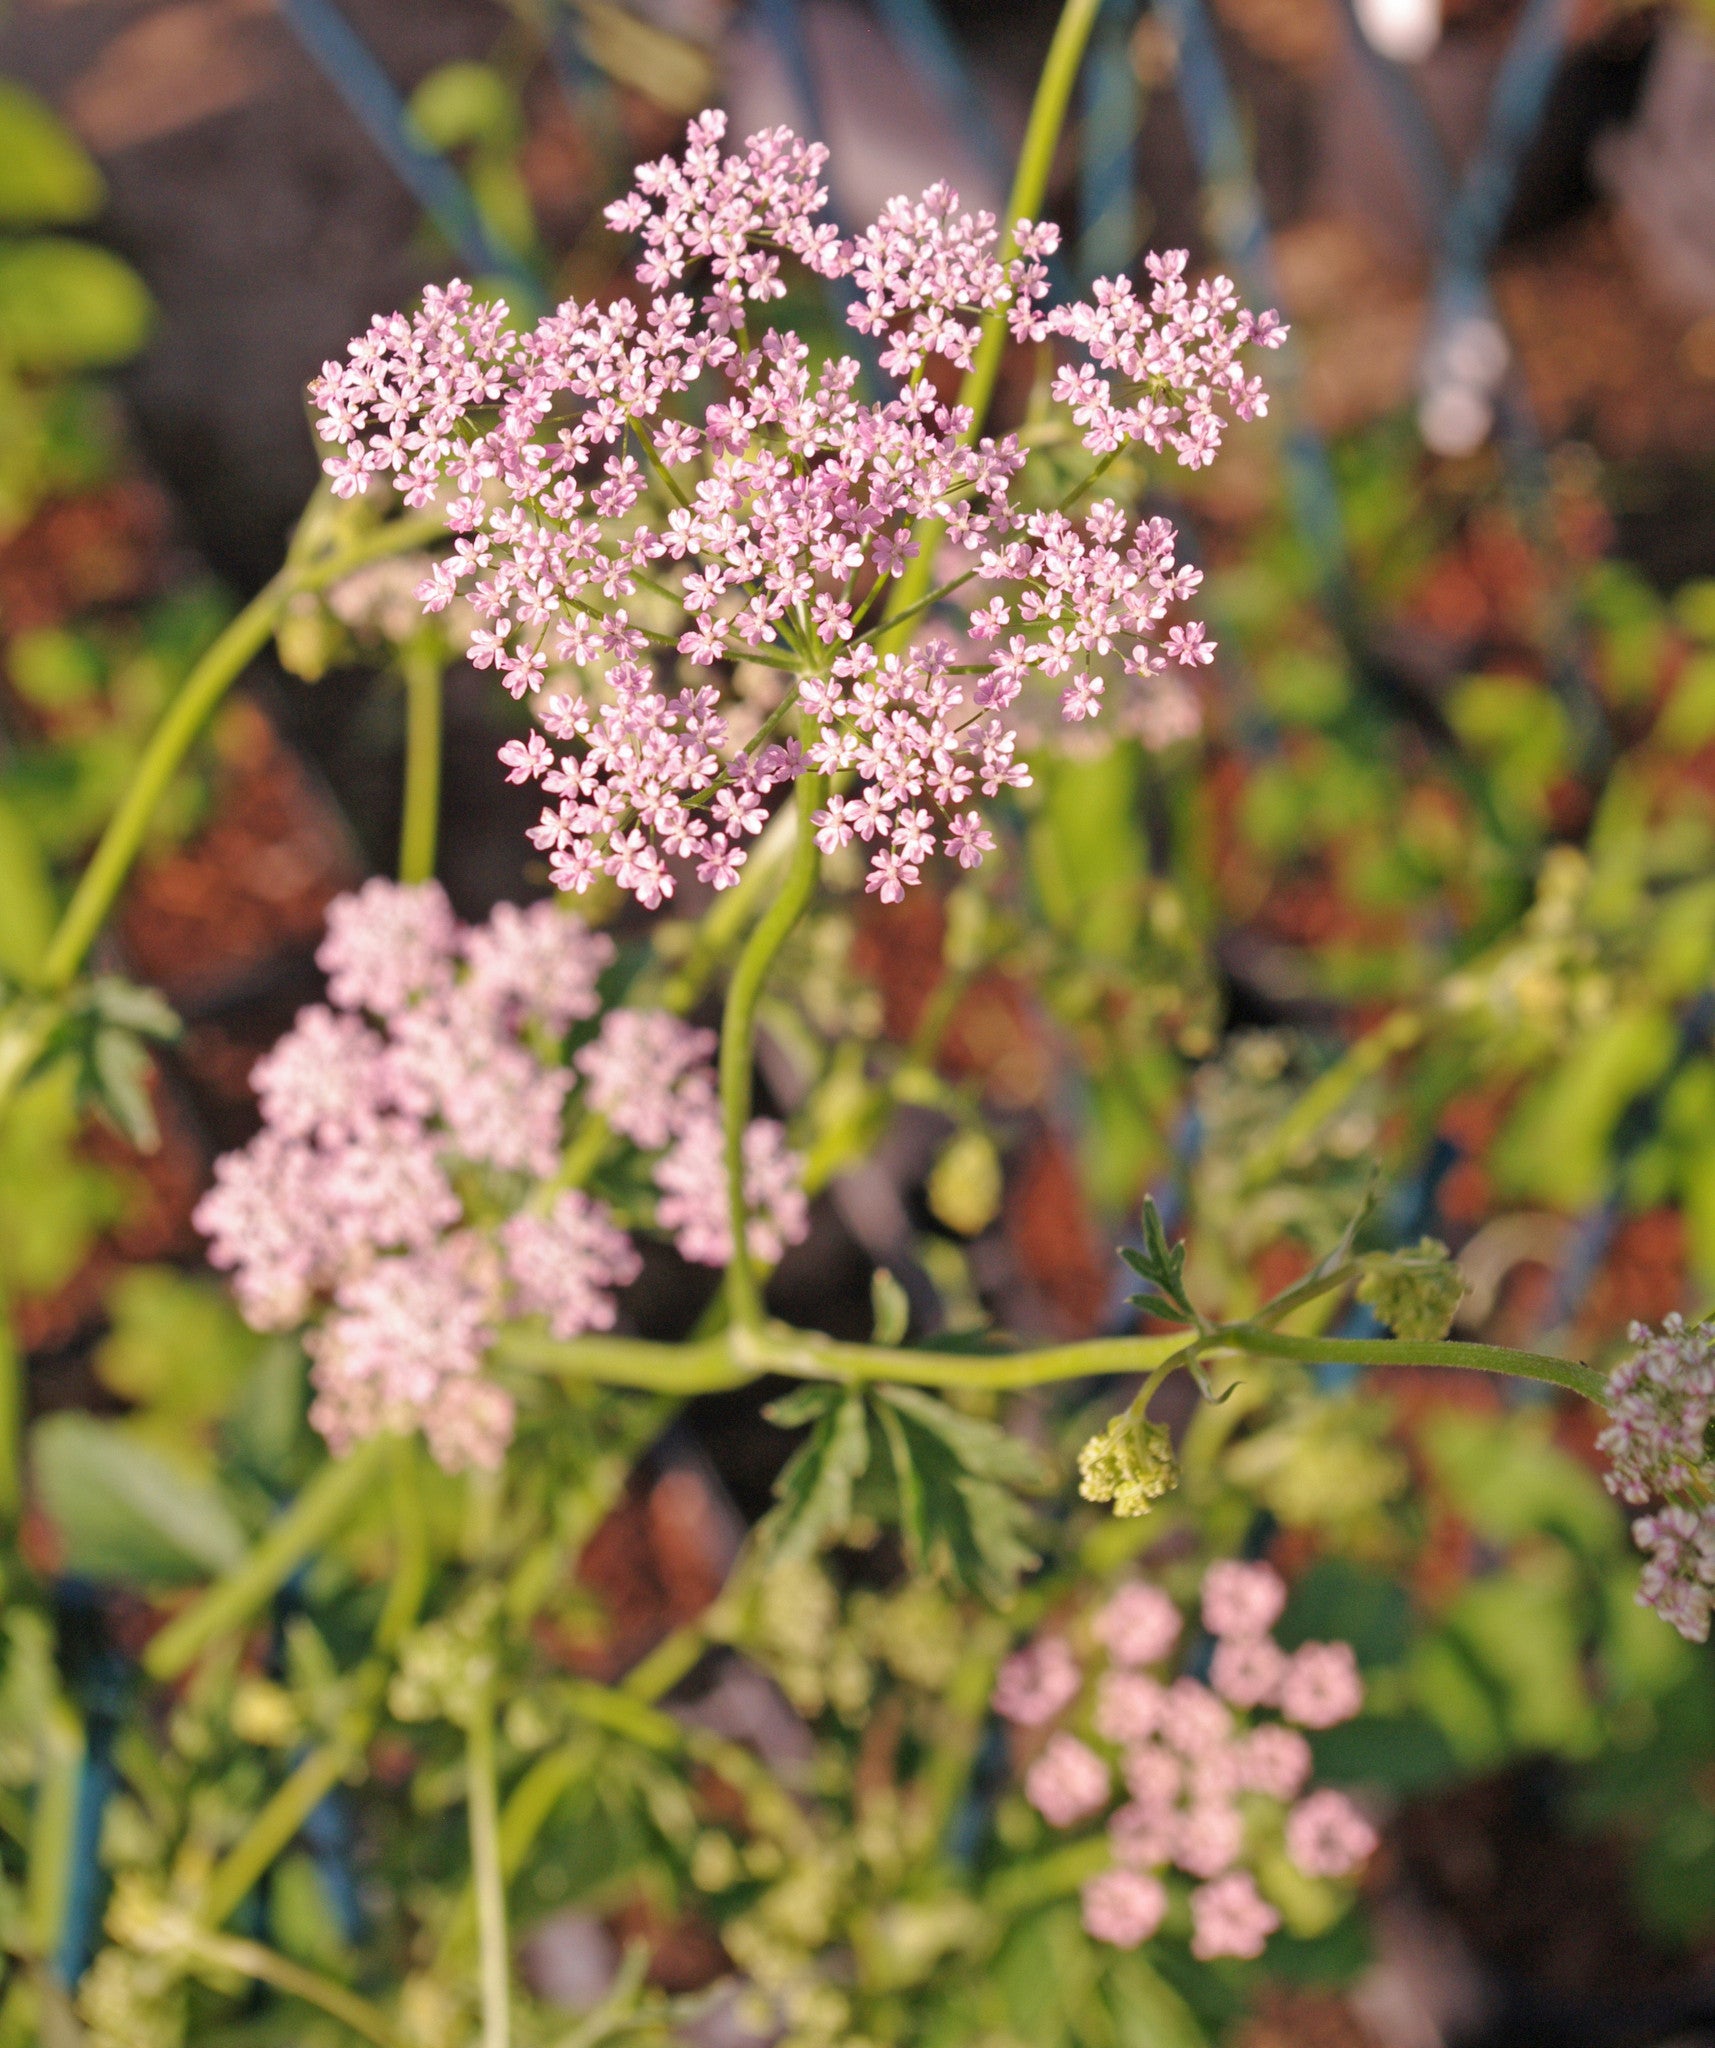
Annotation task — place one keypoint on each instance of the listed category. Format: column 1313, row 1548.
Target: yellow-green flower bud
column 1415, row 1293
column 1131, row 1464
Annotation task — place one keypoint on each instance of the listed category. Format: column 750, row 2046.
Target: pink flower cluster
column 404, row 1192
column 1204, row 1780
column 608, row 540
column 1661, row 1399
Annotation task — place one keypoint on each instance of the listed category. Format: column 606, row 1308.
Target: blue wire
column 351, row 68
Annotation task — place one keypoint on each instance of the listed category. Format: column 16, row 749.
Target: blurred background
column 1465, row 589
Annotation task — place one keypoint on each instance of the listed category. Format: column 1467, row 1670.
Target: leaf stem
column 220, row 666
column 487, row 1877
column 737, row 1356
column 1569, row 1373
column 420, row 816
column 251, row 1959
column 1030, row 182
column 738, row 1034
column 1029, row 185
column 320, row 1507
column 276, row 1824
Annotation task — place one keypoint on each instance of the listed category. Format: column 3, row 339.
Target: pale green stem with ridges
column 275, row 1825
column 53, row 1823
column 208, row 682
column 494, row 1972
column 734, row 1358
column 335, row 1492
column 1029, row 186
column 738, row 1035
column 420, row 664
column 251, row 1959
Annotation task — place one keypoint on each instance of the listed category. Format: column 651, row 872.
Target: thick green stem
column 225, row 661
column 251, row 1959
column 411, row 1552
column 1029, row 186
column 736, row 1356
column 494, row 1971
column 420, row 664
column 1569, row 1373
column 738, row 1034
column 319, row 1509
column 1030, row 181
column 208, row 682
column 719, row 930
column 276, row 1824
column 53, row 1824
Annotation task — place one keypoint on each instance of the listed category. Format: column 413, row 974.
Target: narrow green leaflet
column 958, row 1478
column 1162, row 1267
column 815, row 1490
column 122, row 1510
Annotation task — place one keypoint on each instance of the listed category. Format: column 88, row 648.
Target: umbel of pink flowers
column 647, row 493
column 406, row 1192
column 1661, row 1401
column 1214, row 1775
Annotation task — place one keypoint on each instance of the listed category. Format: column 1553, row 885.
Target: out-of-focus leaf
column 956, row 1476
column 1523, row 1629
column 1146, row 2010
column 67, row 305
column 177, row 1344
column 52, row 1203
column 1509, row 1480
column 463, row 103
column 47, row 177
column 675, row 74
column 124, row 1510
column 815, row 1490
column 26, row 897
column 1555, row 1147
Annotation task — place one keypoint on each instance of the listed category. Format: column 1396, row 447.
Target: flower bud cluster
column 594, row 502
column 1211, row 1785
column 1662, row 1400
column 1131, row 1464
column 1416, row 1293
column 403, row 1196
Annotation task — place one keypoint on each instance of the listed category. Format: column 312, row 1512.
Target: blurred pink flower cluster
column 1208, row 1783
column 404, row 1194
column 602, row 537
column 1661, row 1399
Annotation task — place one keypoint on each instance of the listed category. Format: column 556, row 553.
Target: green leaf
column 463, row 103
column 958, row 1508
column 177, row 1344
column 1163, row 1266
column 124, row 1510
column 47, row 178
column 1147, row 2011
column 890, row 1308
column 118, row 1085
column 1510, row 1480
column 27, row 897
column 132, row 1007
column 815, row 1490
column 67, row 305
